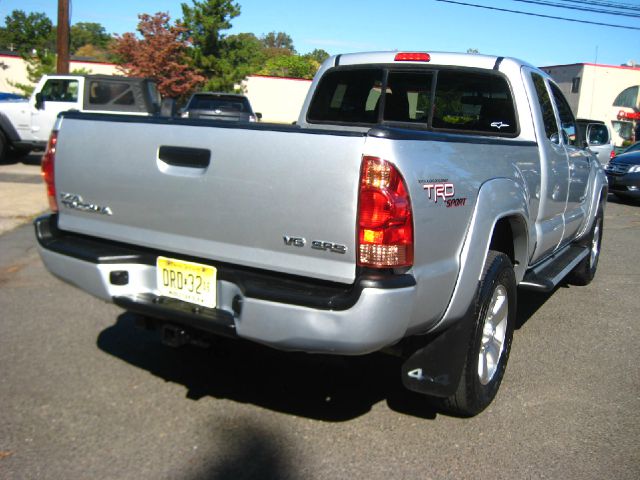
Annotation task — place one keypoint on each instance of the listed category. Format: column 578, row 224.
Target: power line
column 615, row 5
column 538, row 15
column 583, row 9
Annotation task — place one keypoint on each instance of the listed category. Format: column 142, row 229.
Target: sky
column 343, row 26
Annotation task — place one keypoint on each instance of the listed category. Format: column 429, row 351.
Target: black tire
column 584, row 272
column 4, row 147
column 19, row 153
column 496, row 292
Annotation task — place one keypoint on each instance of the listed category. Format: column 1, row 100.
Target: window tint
column 408, row 97
column 548, row 117
column 473, row 101
column 348, row 96
column 225, row 104
column 567, row 120
column 464, row 100
column 105, row 93
column 58, row 90
column 598, row 134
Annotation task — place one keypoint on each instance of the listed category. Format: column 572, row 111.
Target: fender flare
column 497, row 199
column 598, row 196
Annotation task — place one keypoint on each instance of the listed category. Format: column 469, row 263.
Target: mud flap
column 435, row 368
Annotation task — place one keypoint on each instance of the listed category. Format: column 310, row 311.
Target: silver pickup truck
column 416, row 192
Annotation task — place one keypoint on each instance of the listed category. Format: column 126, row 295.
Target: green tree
column 277, row 44
column 24, row 33
column 88, row 33
column 96, row 53
column 297, row 66
column 212, row 52
column 42, row 63
column 160, row 54
column 318, row 55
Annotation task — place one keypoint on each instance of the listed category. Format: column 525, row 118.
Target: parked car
column 10, row 96
column 597, row 138
column 220, row 106
column 25, row 125
column 623, row 174
column 634, row 147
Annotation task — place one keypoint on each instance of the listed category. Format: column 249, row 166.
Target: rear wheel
column 3, row 147
column 584, row 272
column 493, row 323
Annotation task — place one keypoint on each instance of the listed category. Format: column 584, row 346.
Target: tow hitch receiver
column 174, row 336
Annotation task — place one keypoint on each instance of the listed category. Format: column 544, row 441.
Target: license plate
column 187, row 281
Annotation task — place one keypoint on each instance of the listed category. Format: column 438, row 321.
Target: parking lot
column 86, row 394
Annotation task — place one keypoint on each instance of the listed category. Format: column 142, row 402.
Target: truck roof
column 472, row 60
column 97, row 76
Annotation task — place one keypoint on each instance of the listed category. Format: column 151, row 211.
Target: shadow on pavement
column 529, row 302
column 248, row 452
column 323, row 387
column 613, row 198
column 34, row 158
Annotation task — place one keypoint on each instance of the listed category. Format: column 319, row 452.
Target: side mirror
column 39, row 101
column 258, row 115
column 555, row 138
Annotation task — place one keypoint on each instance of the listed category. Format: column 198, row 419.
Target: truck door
column 579, row 163
column 554, row 172
column 57, row 95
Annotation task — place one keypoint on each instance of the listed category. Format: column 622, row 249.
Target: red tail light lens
column 48, row 170
column 385, row 224
column 612, row 154
column 412, row 57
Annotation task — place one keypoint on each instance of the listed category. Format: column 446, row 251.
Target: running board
column 547, row 275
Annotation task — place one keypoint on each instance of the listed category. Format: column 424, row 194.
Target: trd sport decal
column 444, row 190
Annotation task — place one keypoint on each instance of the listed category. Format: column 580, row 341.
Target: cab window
column 60, row 90
column 567, row 120
column 544, row 101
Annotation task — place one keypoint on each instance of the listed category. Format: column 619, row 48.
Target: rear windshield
column 224, row 104
column 453, row 100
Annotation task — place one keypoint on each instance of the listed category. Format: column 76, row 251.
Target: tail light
column 48, row 170
column 612, row 154
column 385, row 224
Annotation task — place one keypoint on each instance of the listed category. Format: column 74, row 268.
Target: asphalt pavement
column 22, row 192
column 85, row 394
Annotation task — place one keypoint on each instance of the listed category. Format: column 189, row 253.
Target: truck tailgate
column 262, row 190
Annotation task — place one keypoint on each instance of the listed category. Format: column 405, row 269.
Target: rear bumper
column 284, row 312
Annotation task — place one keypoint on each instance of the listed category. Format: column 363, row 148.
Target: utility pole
column 63, row 37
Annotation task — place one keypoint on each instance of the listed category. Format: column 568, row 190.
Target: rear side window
column 110, row 93
column 474, row 101
column 451, row 100
column 348, row 96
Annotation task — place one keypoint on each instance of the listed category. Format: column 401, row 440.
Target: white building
column 602, row 92
column 278, row 99
column 13, row 69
